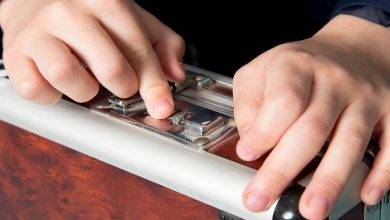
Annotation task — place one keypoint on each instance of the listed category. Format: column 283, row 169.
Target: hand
column 291, row 99
column 48, row 44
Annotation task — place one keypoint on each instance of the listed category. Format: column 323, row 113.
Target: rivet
column 199, row 77
column 201, row 141
column 231, row 122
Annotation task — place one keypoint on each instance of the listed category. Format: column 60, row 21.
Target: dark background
column 224, row 35
column 228, row 34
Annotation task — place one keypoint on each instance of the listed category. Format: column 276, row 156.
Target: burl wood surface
column 40, row 179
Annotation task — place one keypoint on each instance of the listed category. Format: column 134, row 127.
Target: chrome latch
column 200, row 120
column 123, row 106
column 196, row 81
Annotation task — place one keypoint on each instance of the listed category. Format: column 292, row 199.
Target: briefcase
column 108, row 159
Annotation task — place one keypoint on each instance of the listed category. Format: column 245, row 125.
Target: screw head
column 201, row 141
column 231, row 122
column 199, row 77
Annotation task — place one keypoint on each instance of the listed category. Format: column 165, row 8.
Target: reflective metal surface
column 202, row 118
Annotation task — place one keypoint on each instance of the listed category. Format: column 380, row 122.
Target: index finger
column 248, row 92
column 123, row 25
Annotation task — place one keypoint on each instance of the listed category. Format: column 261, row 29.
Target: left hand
column 291, row 99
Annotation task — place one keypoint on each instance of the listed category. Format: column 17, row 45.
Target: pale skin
column 48, row 44
column 289, row 100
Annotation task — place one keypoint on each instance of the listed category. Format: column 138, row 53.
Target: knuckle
column 359, row 131
column 288, row 97
column 114, row 70
column 59, row 72
column 331, row 183
column 267, row 135
column 58, row 9
column 355, row 140
column 369, row 90
column 356, row 136
column 244, row 111
column 142, row 56
column 317, row 125
column 276, row 176
column 31, row 90
column 342, row 76
column 154, row 88
column 288, row 57
column 246, row 103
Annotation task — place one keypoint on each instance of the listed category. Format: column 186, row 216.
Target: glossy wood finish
column 40, row 179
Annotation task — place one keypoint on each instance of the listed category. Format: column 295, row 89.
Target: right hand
column 49, row 43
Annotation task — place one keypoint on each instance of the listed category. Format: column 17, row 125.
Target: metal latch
column 203, row 116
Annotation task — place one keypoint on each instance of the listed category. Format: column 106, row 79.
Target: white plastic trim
column 200, row 175
column 203, row 176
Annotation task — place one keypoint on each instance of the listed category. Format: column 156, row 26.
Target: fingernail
column 375, row 194
column 256, row 200
column 319, row 204
column 246, row 153
column 161, row 106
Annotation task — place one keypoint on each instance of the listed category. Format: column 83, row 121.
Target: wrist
column 358, row 35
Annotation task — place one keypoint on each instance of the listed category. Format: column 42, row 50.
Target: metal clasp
column 200, row 121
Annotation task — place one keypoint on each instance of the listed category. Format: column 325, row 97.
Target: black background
column 224, row 35
column 228, row 34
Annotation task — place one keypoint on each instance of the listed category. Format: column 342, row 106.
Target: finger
column 89, row 41
column 27, row 80
column 62, row 70
column 248, row 92
column 120, row 21
column 378, row 180
column 287, row 90
column 346, row 149
column 296, row 149
column 168, row 46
